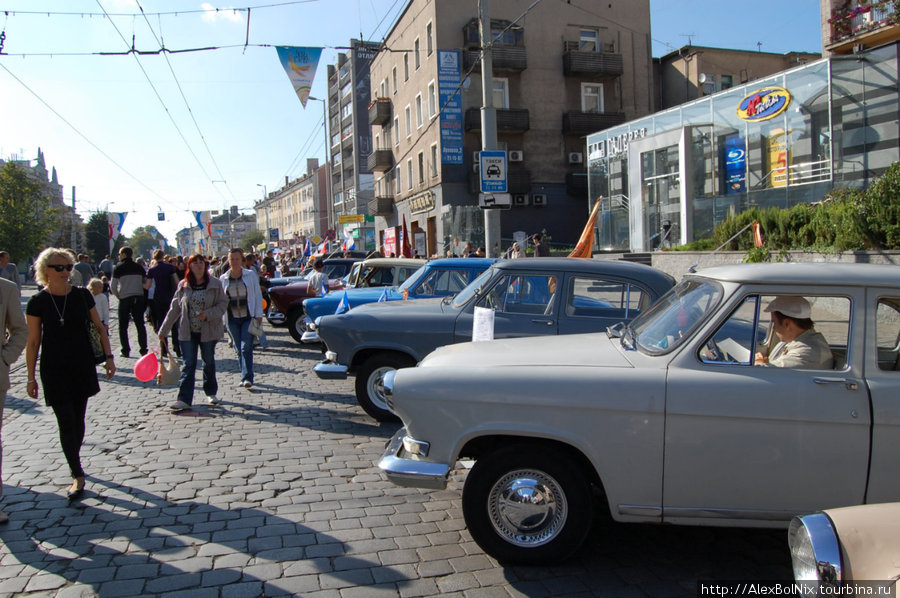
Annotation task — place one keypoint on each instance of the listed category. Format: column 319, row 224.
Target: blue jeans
column 239, row 329
column 189, row 369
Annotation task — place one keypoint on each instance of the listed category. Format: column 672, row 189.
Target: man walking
column 540, row 250
column 128, row 284
column 12, row 321
column 9, row 271
column 84, row 268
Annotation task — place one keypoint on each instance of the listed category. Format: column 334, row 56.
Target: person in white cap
column 801, row 347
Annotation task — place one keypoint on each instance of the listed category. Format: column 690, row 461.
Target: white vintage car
column 672, row 419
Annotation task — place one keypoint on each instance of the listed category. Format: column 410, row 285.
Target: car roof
column 341, row 260
column 463, row 262
column 580, row 264
column 393, row 261
column 806, row 273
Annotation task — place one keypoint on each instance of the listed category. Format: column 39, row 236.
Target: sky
column 207, row 129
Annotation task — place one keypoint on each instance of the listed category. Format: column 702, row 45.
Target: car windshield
column 413, row 279
column 675, row 316
column 472, row 289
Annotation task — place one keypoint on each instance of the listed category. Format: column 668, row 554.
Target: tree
column 251, row 240
column 144, row 240
column 26, row 217
column 96, row 233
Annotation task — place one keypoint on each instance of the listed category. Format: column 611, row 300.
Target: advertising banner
column 451, row 102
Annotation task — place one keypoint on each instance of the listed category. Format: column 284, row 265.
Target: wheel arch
column 362, row 355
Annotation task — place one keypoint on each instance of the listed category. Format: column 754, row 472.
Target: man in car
column 801, row 347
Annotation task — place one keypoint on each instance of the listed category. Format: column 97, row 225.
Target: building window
column 419, row 118
column 421, row 168
column 398, row 181
column 384, row 88
column 591, row 97
column 416, row 52
column 432, row 100
column 394, row 79
column 408, row 122
column 347, row 89
column 406, row 67
column 434, row 159
column 347, row 110
column 396, row 130
column 387, row 132
column 727, row 81
column 501, row 93
column 429, row 40
column 409, row 174
column 589, row 40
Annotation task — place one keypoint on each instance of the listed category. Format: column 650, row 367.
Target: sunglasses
column 61, row 267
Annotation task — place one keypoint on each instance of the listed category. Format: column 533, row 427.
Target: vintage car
column 671, row 419
column 437, row 278
column 529, row 297
column 287, row 300
column 275, row 317
column 847, row 547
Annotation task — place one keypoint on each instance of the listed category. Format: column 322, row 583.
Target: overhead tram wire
column 187, row 105
column 106, row 14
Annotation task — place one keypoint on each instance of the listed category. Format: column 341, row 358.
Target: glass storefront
column 833, row 123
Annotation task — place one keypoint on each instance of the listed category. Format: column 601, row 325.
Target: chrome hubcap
column 527, row 507
column 376, row 387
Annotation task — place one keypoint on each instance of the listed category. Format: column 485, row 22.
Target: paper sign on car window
column 483, row 324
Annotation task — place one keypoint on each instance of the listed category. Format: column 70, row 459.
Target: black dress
column 67, row 361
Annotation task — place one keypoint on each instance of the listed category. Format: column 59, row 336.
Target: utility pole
column 488, row 121
column 329, row 206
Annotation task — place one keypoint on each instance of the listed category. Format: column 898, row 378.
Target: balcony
column 591, row 64
column 585, row 123
column 380, row 160
column 509, row 59
column 381, row 206
column 866, row 24
column 577, row 183
column 380, row 111
column 508, row 120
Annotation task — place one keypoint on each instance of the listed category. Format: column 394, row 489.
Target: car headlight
column 815, row 553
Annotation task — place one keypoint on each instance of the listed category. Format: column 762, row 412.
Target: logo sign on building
column 764, row 104
column 273, row 234
column 451, row 107
column 493, row 171
column 350, row 218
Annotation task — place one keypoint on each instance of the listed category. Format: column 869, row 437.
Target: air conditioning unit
column 475, row 167
column 520, row 199
column 539, row 199
column 476, row 156
column 516, row 155
column 576, row 157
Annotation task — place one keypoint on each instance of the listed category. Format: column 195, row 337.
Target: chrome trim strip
column 330, row 371
column 708, row 512
column 408, row 472
column 640, row 511
column 310, row 336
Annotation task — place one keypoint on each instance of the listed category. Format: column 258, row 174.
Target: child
column 95, row 285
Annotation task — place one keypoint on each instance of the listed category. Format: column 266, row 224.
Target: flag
column 383, row 297
column 349, row 243
column 300, row 65
column 323, row 248
column 405, row 249
column 585, row 246
column 344, row 305
column 324, row 290
column 115, row 221
column 204, row 222
column 757, row 234
column 307, row 248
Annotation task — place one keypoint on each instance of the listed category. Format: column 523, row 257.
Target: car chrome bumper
column 402, row 470
column 275, row 316
column 310, row 336
column 327, row 370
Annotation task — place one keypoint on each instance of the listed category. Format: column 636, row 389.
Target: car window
column 521, row 294
column 749, row 332
column 414, row 278
column 374, row 276
column 887, row 333
column 441, row 283
column 334, row 270
column 405, row 273
column 598, row 298
column 675, row 315
column 473, row 288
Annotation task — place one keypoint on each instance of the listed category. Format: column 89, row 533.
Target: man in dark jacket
column 540, row 249
column 128, row 284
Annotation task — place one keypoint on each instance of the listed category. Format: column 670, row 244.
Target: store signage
column 764, row 104
column 612, row 146
column 351, row 218
column 421, row 203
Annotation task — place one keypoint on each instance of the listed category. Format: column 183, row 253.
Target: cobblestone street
column 275, row 492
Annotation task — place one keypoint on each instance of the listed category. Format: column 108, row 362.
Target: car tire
column 527, row 505
column 295, row 326
column 369, row 391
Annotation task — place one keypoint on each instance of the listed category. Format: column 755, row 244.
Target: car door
column 524, row 304
column 748, row 442
column 592, row 302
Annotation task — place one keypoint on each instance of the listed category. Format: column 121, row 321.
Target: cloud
column 213, row 15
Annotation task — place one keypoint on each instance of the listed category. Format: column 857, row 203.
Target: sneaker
column 212, row 400
column 246, row 384
column 179, row 406
column 125, row 354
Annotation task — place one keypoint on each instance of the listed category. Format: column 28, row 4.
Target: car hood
column 430, row 305
column 594, row 349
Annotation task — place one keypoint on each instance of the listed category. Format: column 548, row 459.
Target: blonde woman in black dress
column 57, row 326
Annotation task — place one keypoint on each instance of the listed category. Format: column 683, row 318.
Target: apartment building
column 560, row 72
column 298, row 210
column 852, row 26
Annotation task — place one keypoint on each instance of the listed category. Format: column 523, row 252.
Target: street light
column 266, row 207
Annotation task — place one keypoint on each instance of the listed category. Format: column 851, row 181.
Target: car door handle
column 850, row 383
column 547, row 322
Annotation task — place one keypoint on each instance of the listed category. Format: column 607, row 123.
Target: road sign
column 350, row 218
column 273, row 234
column 493, row 171
column 495, row 201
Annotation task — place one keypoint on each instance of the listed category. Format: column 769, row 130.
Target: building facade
column 670, row 178
column 352, row 182
column 228, row 230
column 851, row 26
column 296, row 211
column 559, row 73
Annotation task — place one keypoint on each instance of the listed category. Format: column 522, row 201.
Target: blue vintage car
column 437, row 278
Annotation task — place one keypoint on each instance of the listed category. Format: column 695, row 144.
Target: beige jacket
column 13, row 327
column 215, row 303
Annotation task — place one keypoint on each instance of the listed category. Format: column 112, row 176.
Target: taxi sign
column 492, row 167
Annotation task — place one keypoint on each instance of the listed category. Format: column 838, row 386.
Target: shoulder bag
column 93, row 334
